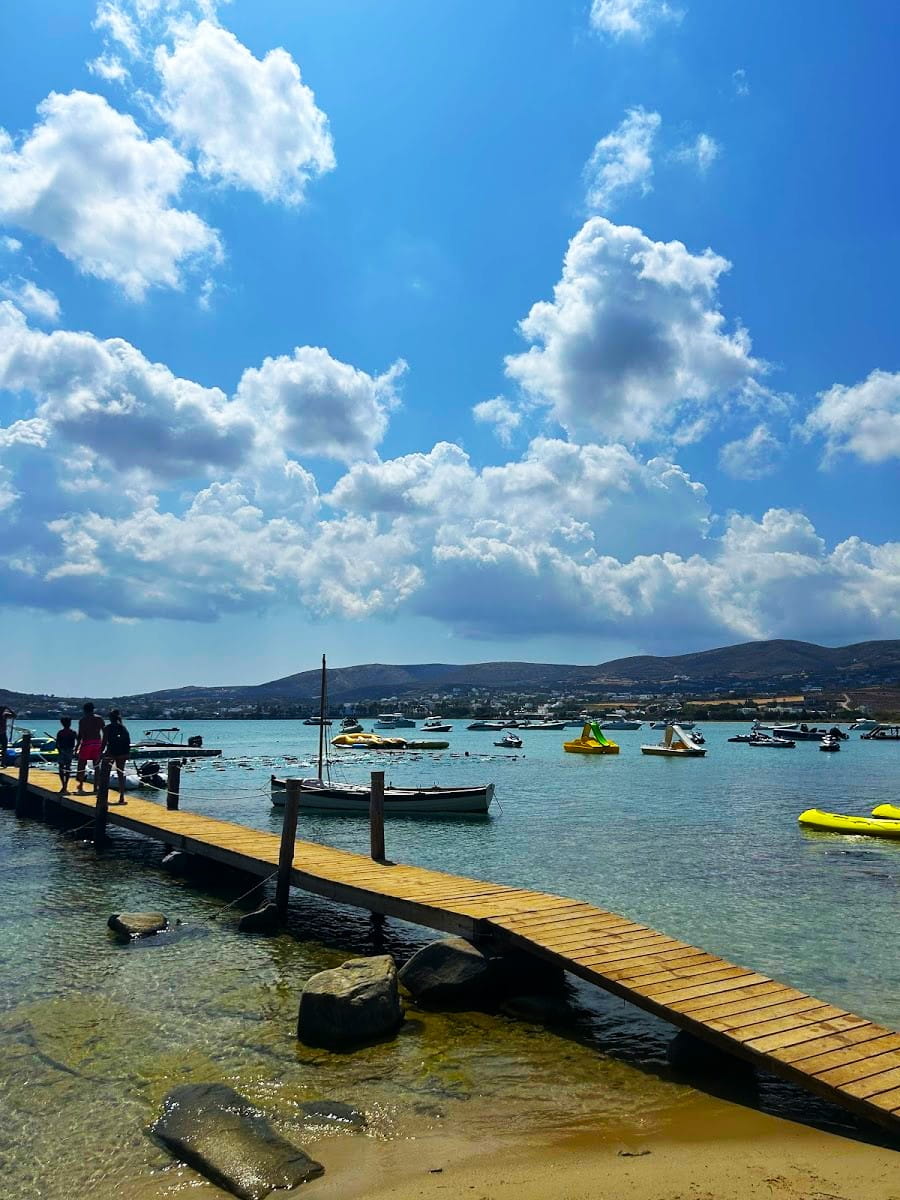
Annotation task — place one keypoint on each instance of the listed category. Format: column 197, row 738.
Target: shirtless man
column 90, row 739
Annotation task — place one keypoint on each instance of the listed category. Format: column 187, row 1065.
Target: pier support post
column 173, row 783
column 376, row 815
column 24, row 764
column 286, row 853
column 101, row 790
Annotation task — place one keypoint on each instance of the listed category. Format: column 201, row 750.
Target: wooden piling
column 24, row 764
column 286, row 851
column 376, row 815
column 173, row 784
column 101, row 789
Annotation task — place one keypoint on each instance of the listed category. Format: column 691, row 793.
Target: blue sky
column 423, row 332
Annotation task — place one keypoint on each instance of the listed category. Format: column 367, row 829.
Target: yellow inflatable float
column 368, row 741
column 592, row 741
column 891, row 811
column 826, row 822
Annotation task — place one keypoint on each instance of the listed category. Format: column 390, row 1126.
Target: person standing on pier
column 115, row 747
column 66, row 737
column 7, row 717
column 88, row 743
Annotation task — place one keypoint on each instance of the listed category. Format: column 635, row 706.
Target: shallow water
column 95, row 1033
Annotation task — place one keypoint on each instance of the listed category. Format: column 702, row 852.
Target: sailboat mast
column 322, row 719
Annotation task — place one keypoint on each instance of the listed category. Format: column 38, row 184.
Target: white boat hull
column 397, row 801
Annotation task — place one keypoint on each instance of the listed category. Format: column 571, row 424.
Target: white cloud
column 10, row 244
column 752, row 457
column 116, row 24
column 31, row 299
column 253, row 123
column 631, row 18
column 501, row 414
column 863, row 419
column 633, row 342
column 622, row 159
column 739, row 80
column 88, row 180
column 311, row 403
column 701, row 153
column 109, row 67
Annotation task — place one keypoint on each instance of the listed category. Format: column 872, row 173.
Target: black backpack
column 118, row 740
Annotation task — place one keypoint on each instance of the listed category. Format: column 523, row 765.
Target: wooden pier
column 836, row 1054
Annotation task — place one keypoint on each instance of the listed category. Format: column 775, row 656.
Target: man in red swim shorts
column 90, row 738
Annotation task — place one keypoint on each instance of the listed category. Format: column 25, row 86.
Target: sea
column 94, row 1033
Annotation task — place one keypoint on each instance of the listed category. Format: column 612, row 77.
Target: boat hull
column 168, row 751
column 397, row 801
column 826, row 822
column 667, row 752
column 577, row 747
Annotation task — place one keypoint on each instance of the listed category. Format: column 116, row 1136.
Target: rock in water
column 217, row 1131
column 356, row 1002
column 451, row 971
column 137, row 924
column 333, row 1113
column 261, row 920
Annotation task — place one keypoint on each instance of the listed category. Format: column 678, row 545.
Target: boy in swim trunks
column 66, row 738
column 90, row 737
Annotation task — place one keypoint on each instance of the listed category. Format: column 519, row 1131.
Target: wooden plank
column 600, row 941
column 648, row 973
column 796, row 1037
column 694, row 1007
column 814, row 1014
column 884, row 1081
column 762, row 1012
column 591, row 958
column 815, row 1063
column 888, row 1102
column 705, row 984
column 858, row 1070
column 744, row 979
column 650, row 963
column 579, row 911
column 760, row 996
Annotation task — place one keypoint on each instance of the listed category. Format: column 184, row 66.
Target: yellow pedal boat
column 592, row 741
column 891, row 811
column 815, row 818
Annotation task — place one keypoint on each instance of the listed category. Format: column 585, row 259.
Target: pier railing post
column 286, row 853
column 173, row 783
column 101, row 809
column 24, row 765
column 376, row 815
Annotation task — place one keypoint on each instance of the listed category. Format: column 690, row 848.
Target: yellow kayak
column 891, row 811
column 828, row 822
column 592, row 741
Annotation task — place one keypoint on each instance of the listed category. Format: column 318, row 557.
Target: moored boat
column 426, row 744
column 317, row 721
column 677, row 743
column 770, row 743
column 618, row 720
column 829, row 743
column 436, row 725
column 394, row 721
column 882, row 733
column 592, row 741
column 354, row 798
column 161, row 743
column 864, row 723
column 368, row 741
column 828, row 822
column 509, row 741
column 492, row 725
column 351, row 725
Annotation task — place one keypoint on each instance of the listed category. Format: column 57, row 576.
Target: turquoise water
column 94, row 1033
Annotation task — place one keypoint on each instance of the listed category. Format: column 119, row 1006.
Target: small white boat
column 510, row 741
column 829, row 743
column 532, row 725
column 436, row 725
column 677, row 743
column 320, row 796
column 864, row 723
column 493, row 725
column 618, row 720
column 394, row 721
column 351, row 725
column 317, row 721
column 772, row 743
column 665, row 724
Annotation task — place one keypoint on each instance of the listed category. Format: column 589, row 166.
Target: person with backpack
column 115, row 747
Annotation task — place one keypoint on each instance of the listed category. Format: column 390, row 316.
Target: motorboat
column 883, row 733
column 436, row 725
column 742, row 737
column 319, row 796
column 592, row 741
column 618, row 720
column 162, row 743
column 317, row 721
column 351, row 725
column 394, row 721
column 492, row 725
column 677, row 743
column 771, row 743
column 829, row 743
column 323, row 795
column 683, row 724
column 864, row 723
column 510, row 741
column 800, row 733
column 532, row 725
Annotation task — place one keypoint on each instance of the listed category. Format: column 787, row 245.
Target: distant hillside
column 751, row 664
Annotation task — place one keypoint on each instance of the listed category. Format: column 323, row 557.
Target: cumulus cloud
column 752, row 457
column 740, row 83
column 31, row 299
column 863, row 419
column 700, row 153
column 631, row 18
column 632, row 338
column 313, row 404
column 622, row 159
column 88, row 180
column 501, row 414
column 253, row 123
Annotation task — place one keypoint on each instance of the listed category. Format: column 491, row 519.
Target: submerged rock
column 261, row 920
column 356, row 1002
column 333, row 1113
column 217, row 1131
column 137, row 924
column 450, row 971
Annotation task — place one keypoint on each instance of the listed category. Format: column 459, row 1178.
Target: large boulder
column 137, row 924
column 449, row 972
column 217, row 1131
column 356, row 1002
